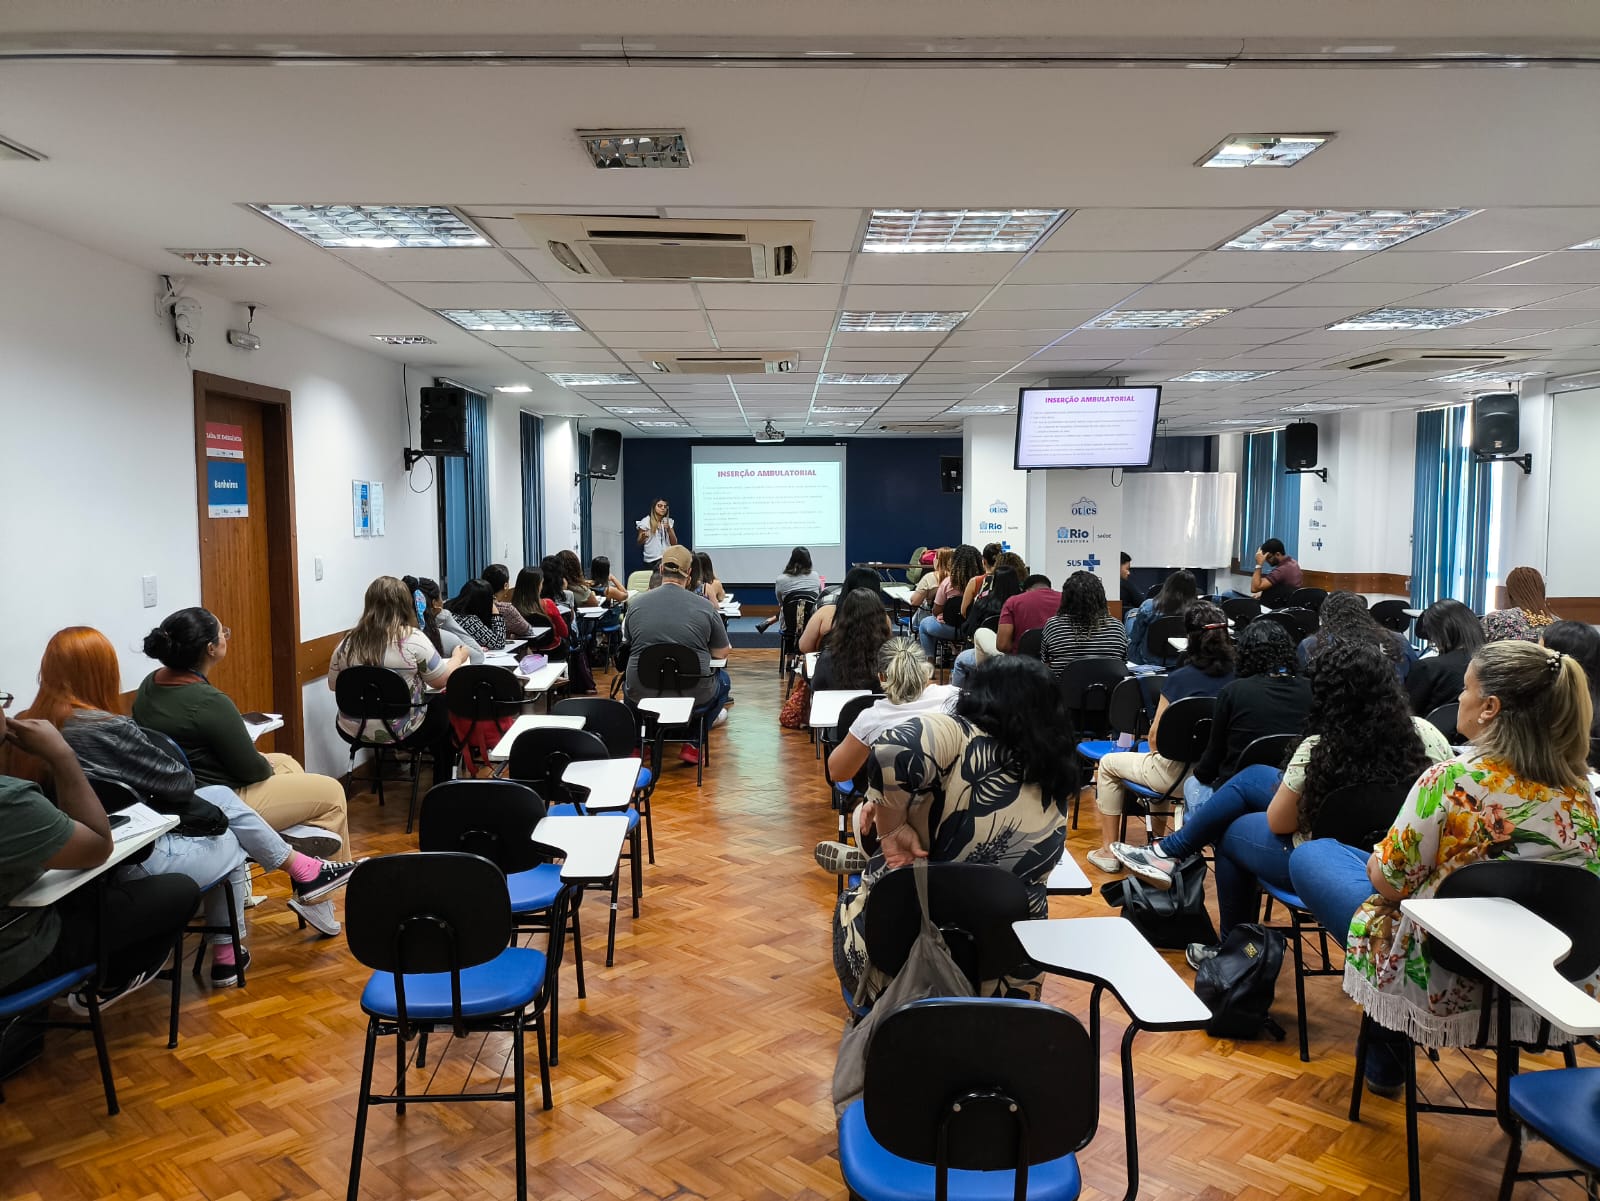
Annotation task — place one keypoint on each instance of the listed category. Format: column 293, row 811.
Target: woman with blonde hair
column 1528, row 611
column 904, row 676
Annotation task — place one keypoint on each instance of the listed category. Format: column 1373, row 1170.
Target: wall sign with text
column 227, row 488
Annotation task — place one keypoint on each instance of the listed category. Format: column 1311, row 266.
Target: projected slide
column 767, row 504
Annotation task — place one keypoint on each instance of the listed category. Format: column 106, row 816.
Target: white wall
column 505, row 481
column 994, row 495
column 562, row 526
column 1362, row 515
column 98, row 413
column 1567, row 552
column 605, row 516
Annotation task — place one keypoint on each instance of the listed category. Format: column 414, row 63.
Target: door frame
column 283, row 557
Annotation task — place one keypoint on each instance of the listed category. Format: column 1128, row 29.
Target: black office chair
column 1127, row 713
column 1241, row 610
column 1086, row 686
column 1392, row 615
column 1031, row 644
column 618, row 725
column 377, row 697
column 945, row 649
column 672, row 669
column 482, row 695
column 1308, row 598
column 1181, row 736
column 1272, row 750
column 792, row 618
column 1444, row 719
column 1158, row 636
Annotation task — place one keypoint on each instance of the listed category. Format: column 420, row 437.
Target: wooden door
column 247, row 575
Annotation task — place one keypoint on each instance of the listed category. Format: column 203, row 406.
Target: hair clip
column 1216, row 625
column 1553, row 661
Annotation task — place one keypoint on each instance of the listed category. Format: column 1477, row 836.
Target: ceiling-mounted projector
column 770, row 434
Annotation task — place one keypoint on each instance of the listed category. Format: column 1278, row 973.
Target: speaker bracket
column 1523, row 461
column 413, row 457
column 1318, row 471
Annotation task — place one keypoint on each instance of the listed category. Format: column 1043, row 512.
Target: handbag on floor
column 1173, row 918
column 796, row 711
column 1239, row 983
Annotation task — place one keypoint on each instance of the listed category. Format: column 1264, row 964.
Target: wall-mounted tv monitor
column 1086, row 427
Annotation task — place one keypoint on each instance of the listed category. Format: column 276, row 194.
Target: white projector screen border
column 754, row 564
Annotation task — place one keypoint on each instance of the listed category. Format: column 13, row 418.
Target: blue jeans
column 719, row 699
column 965, row 662
column 1331, row 878
column 259, row 840
column 203, row 860
column 930, row 629
column 1195, row 795
column 1248, row 791
column 1249, row 855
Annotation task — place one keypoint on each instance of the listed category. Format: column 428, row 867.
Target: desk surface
column 810, row 663
column 532, row 721
column 145, row 825
column 1067, row 878
column 500, row 659
column 592, row 845
column 825, row 705
column 1110, row 950
column 591, row 611
column 900, row 592
column 610, row 781
column 672, row 710
column 546, row 677
column 258, row 728
column 1514, row 947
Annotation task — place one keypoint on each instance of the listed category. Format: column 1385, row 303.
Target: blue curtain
column 466, row 501
column 1269, row 499
column 532, row 489
column 1450, row 532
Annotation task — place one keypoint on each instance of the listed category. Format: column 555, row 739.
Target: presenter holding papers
column 656, row 533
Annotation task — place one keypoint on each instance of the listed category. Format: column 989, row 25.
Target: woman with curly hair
column 849, row 657
column 1345, row 618
column 966, row 565
column 1360, row 731
column 1083, row 627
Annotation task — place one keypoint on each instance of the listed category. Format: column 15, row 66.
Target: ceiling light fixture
column 945, row 231
column 1343, row 229
column 404, row 339
column 1156, row 318
column 513, row 388
column 1263, row 149
column 542, row 321
column 1259, row 422
column 1315, row 406
column 862, row 377
column 849, row 424
column 599, row 379
column 1404, row 318
column 968, row 410
column 844, row 409
column 1591, row 244
column 220, row 258
column 1219, row 377
column 1485, row 375
column 634, row 148
column 375, row 226
column 635, row 410
column 863, row 321
column 661, row 425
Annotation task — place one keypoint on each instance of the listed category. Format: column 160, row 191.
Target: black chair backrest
column 483, row 693
column 1308, row 598
column 1185, row 729
column 1129, row 711
column 1391, row 615
column 797, row 610
column 951, row 614
column 668, row 667
column 373, row 694
column 166, row 744
column 1032, row 644
column 1241, row 610
column 973, row 904
column 1156, row 643
column 1086, row 686
column 1444, row 720
column 1594, row 753
column 1152, row 592
column 491, row 818
column 114, row 795
column 1358, row 815
column 1564, row 894
column 616, row 723
column 1306, row 620
column 981, row 1084
column 1299, row 624
column 1273, row 750
column 991, row 623
column 539, row 757
column 853, row 709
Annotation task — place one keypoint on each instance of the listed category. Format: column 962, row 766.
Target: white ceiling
column 1114, row 144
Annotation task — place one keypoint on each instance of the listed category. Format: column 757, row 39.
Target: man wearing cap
column 673, row 614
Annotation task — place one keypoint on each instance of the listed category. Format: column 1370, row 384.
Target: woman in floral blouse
column 1528, row 612
column 1521, row 790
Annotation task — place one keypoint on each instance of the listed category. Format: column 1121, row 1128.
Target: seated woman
column 1582, row 642
column 1083, row 627
column 710, row 587
column 904, row 678
column 572, row 571
column 132, row 931
column 1529, row 611
column 849, row 657
column 980, row 584
column 990, row 783
column 179, row 701
column 856, row 579
column 965, row 566
column 1360, row 731
column 475, row 611
column 797, row 576
column 78, row 694
column 1207, row 669
column 438, row 623
column 1267, row 696
column 1520, row 791
column 558, row 593
column 1005, row 584
column 498, row 577
column 1177, row 593
column 604, row 583
column 927, row 585
column 532, row 603
column 1345, row 617
column 1456, row 634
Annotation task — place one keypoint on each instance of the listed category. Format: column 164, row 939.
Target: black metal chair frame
column 1241, row 610
column 1157, row 636
column 1182, row 736
column 844, row 803
column 793, row 615
column 376, row 694
column 1391, row 615
column 622, row 727
column 1444, row 718
column 661, row 667
column 482, row 693
column 1031, row 644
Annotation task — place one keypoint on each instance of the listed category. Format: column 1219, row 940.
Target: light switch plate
column 149, row 584
column 316, row 567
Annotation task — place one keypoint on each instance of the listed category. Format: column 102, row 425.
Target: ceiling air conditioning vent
column 649, row 248
column 921, row 427
column 720, row 362
column 1410, row 360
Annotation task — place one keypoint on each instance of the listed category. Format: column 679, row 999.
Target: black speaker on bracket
column 1300, row 446
column 444, row 421
column 1496, row 426
column 949, row 473
column 605, row 454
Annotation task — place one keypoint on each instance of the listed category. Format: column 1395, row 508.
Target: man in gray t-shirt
column 673, row 614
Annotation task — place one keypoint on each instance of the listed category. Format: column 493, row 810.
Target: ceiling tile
column 1485, row 295
column 1152, row 229
column 919, row 298
column 770, row 296
column 948, row 269
column 732, row 320
column 1353, row 297
column 1201, row 296
column 1054, row 321
column 445, row 265
column 1571, row 266
column 620, row 295
column 525, row 295
column 1417, row 267
column 635, row 320
column 1087, row 267
column 557, row 344
column 1098, row 297
column 1524, row 229
column 1238, row 266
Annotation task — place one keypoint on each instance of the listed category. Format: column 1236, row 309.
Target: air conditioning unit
column 650, row 248
column 723, row 362
column 1411, row 360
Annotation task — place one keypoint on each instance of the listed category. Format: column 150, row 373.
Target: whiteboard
column 1179, row 518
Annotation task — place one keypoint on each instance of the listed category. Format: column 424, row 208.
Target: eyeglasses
column 5, row 700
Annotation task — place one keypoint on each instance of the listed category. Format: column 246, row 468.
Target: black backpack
column 1171, row 918
column 1239, row 983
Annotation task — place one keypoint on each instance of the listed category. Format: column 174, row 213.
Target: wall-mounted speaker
column 949, row 473
column 1495, row 424
column 605, row 454
column 444, row 421
column 1300, row 446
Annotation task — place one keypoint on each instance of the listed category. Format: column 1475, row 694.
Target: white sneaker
column 722, row 719
column 318, row 914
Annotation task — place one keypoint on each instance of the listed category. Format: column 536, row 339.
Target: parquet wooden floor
column 699, row 1065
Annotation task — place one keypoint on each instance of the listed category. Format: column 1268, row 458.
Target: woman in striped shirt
column 1083, row 627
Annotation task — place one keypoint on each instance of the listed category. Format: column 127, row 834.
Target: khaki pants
column 1151, row 770
column 292, row 795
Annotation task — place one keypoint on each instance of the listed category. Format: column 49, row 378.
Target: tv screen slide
column 1086, row 427
column 752, row 506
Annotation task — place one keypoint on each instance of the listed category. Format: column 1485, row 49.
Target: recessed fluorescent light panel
column 1219, row 377
column 635, row 411
column 1592, row 244
column 546, row 321
column 1260, row 422
column 220, row 258
column 513, row 388
column 855, row 321
column 660, row 425
column 850, row 424
column 1316, row 406
column 943, row 231
column 593, row 380
column 1402, row 318
column 1343, row 229
column 1156, row 318
column 970, row 409
column 625, row 148
column 844, row 409
column 374, row 226
column 1485, row 375
column 404, row 339
column 1264, row 149
column 862, row 377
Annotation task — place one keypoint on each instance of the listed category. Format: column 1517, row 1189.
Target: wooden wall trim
column 1577, row 608
column 1363, row 582
column 311, row 661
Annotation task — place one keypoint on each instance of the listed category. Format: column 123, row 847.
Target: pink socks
column 301, row 868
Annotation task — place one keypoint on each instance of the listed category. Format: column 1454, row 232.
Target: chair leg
column 1363, row 1044
column 649, row 828
column 1508, row 1178
column 545, row 1059
column 354, row 1190
column 637, row 872
column 577, row 941
column 555, row 1019
column 377, row 768
column 1296, row 931
column 518, row 1066
column 177, row 988
column 416, row 782
column 400, row 1072
column 97, row 1028
column 422, row 1048
column 1413, row 1169
column 611, row 934
column 233, row 930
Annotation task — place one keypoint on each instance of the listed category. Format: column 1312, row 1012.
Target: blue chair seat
column 1284, row 897
column 572, row 811
column 508, row 981
column 535, row 889
column 875, row 1175
column 36, row 995
column 644, row 778
column 1096, row 749
column 1562, row 1106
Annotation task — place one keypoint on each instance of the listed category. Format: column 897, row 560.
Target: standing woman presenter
column 656, row 533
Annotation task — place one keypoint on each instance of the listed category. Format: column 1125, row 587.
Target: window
column 464, row 500
column 1452, row 530
column 532, row 489
column 1269, row 499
